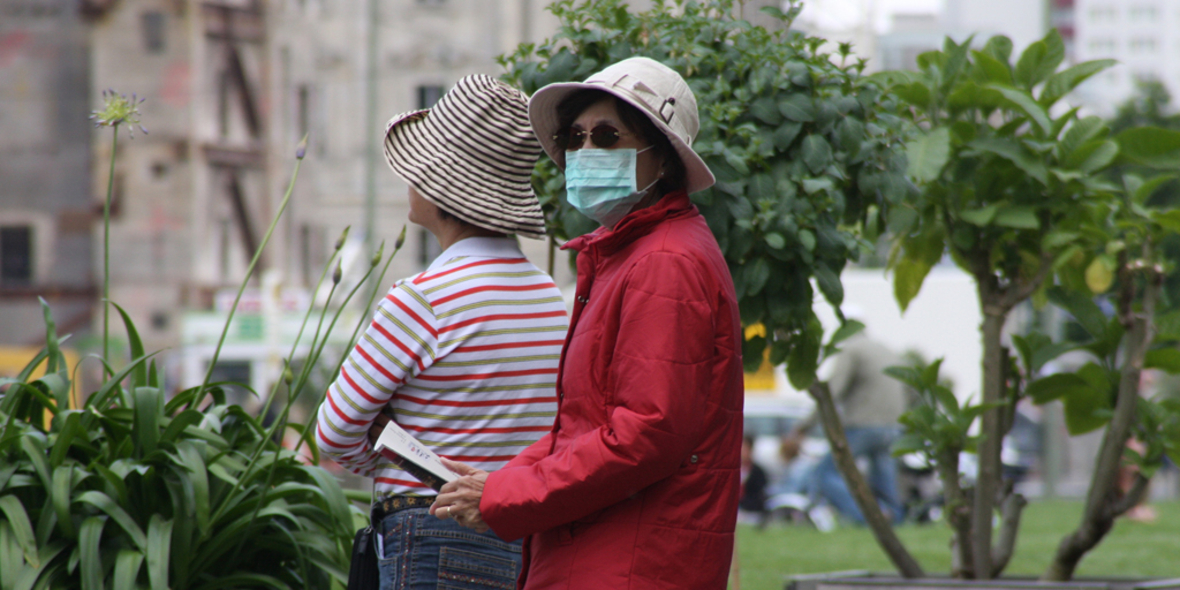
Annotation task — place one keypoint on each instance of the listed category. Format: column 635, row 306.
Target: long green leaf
column 22, row 529
column 139, row 375
column 42, row 576
column 127, row 565
column 198, row 478
column 35, row 452
column 102, row 397
column 12, row 558
column 89, row 539
column 71, row 427
column 106, row 504
column 158, row 551
column 149, row 403
column 63, row 477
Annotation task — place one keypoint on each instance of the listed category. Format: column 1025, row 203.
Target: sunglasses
column 572, row 139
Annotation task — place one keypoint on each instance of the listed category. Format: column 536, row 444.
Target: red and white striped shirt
column 465, row 352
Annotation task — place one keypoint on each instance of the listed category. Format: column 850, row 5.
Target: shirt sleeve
column 660, row 376
column 400, row 343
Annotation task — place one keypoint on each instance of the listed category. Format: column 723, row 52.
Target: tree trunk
column 958, row 514
column 1104, row 502
column 988, row 478
column 882, row 529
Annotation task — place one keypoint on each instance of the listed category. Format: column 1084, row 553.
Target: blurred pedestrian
column 870, row 403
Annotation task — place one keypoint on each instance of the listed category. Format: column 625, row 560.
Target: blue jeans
column 422, row 552
column 873, row 443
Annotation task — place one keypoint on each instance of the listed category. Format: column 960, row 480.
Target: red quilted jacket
column 637, row 484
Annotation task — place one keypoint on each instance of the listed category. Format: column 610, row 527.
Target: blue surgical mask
column 601, row 183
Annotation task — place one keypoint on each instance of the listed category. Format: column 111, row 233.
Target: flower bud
column 401, row 240
column 301, row 149
column 337, row 274
column 343, row 237
column 378, row 256
column 288, row 376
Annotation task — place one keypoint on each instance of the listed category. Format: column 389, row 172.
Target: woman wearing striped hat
column 464, row 355
column 637, row 485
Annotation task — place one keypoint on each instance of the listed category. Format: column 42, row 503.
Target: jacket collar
column 634, row 224
column 478, row 247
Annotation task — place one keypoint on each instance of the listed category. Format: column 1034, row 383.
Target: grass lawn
column 1131, row 549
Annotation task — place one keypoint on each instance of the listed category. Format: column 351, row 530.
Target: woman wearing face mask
column 637, row 484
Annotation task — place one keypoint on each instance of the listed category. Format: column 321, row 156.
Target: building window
column 16, row 255
column 1143, row 45
column 153, row 31
column 1102, row 46
column 1103, row 14
column 428, row 95
column 1143, row 13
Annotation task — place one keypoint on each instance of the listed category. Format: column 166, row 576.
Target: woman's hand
column 459, row 499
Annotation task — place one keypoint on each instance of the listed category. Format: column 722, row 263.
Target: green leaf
column 817, row 153
column 993, row 70
column 1063, row 82
column 786, row 133
column 1151, row 146
column 981, row 217
column 756, row 275
column 915, row 93
column 766, row 110
column 1142, row 193
column 804, row 357
column 1017, row 218
column 1084, row 410
column 63, row 480
column 1013, row 152
column 797, row 107
column 90, row 555
column 149, row 411
column 1040, row 60
column 159, row 551
column 127, row 564
column 908, row 276
column 1082, row 308
column 1080, row 133
column 22, row 529
column 1047, row 389
column 829, row 285
column 120, row 516
column 1024, row 102
column 1166, row 359
column 927, row 154
column 1092, row 156
column 139, row 375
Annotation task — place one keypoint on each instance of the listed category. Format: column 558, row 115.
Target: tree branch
column 1133, row 496
column 1104, row 498
column 886, row 537
column 1011, row 509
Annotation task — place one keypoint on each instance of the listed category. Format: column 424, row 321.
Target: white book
column 415, row 458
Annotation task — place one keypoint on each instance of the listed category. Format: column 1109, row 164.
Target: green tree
column 1017, row 197
column 807, row 158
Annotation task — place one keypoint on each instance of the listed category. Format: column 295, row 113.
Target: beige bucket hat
column 473, row 155
column 652, row 87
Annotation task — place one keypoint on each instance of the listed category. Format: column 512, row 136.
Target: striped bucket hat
column 472, row 154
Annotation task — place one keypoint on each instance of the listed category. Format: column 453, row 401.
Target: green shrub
column 133, row 490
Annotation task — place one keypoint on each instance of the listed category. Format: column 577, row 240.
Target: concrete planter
column 862, row 580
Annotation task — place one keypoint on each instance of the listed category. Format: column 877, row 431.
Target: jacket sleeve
column 659, row 381
column 399, row 344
